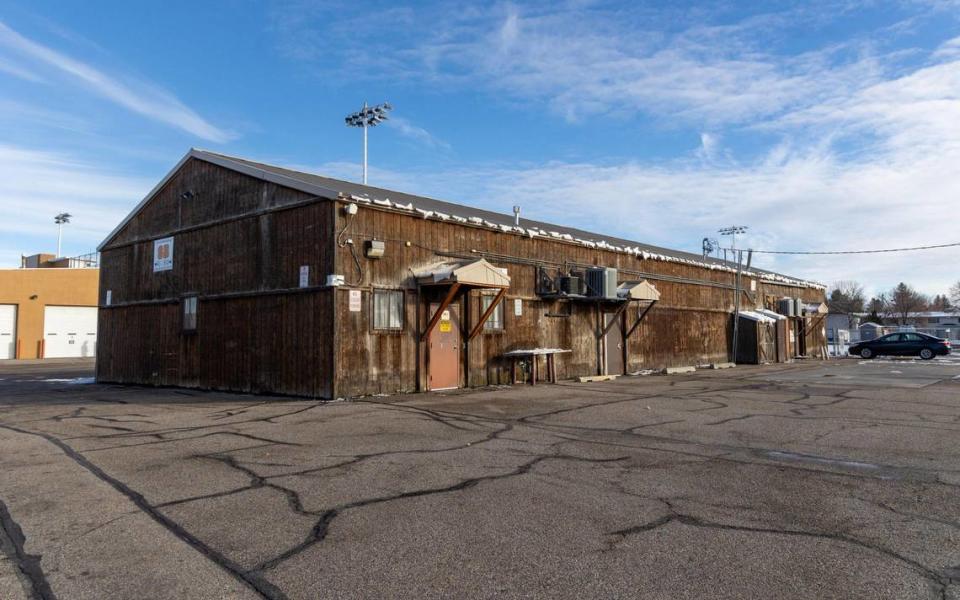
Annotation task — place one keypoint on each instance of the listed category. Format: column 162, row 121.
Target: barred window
column 495, row 322
column 388, row 310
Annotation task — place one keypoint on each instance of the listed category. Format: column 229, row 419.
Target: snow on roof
column 756, row 316
column 430, row 208
column 771, row 314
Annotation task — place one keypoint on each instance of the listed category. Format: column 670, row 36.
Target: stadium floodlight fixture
column 732, row 232
column 368, row 116
column 61, row 219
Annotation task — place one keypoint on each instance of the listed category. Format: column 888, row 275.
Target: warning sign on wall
column 355, row 300
column 304, row 276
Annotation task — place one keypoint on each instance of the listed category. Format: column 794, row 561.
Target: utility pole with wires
column 60, row 220
column 368, row 116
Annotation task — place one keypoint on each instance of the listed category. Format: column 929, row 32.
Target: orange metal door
column 444, row 350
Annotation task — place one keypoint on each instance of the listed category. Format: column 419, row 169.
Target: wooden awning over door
column 462, row 276
column 475, row 273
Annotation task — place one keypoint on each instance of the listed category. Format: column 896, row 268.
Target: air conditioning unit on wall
column 571, row 285
column 787, row 307
column 602, row 282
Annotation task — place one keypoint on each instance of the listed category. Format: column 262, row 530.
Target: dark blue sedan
column 902, row 344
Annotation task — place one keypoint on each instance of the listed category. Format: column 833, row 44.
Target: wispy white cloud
column 407, row 129
column 25, row 74
column 799, row 200
column 709, row 146
column 949, row 49
column 145, row 99
column 36, row 185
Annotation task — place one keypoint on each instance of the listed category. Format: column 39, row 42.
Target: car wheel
column 926, row 354
column 866, row 353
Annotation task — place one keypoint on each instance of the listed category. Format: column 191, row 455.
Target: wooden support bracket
column 615, row 319
column 486, row 314
column 640, row 318
column 443, row 306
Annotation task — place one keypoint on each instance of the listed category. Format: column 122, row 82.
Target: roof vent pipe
column 516, row 216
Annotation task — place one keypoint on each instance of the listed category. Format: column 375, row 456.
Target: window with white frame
column 388, row 310
column 190, row 313
column 495, row 322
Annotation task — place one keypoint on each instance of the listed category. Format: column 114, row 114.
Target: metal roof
column 333, row 188
column 442, row 206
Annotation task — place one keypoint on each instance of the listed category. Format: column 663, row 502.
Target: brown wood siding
column 257, row 331
column 690, row 325
column 239, row 246
column 278, row 343
column 218, row 193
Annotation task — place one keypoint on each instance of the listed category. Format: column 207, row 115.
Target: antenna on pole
column 732, row 232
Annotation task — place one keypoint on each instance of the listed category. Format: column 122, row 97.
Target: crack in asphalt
column 569, row 434
column 251, row 580
column 939, row 581
column 320, row 530
column 27, row 564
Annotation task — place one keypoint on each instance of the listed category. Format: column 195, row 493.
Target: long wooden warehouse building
column 237, row 275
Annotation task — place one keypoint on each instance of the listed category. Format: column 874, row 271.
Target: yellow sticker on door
column 446, row 327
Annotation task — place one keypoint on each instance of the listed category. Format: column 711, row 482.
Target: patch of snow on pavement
column 74, row 381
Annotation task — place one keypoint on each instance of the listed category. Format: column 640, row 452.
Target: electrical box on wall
column 374, row 248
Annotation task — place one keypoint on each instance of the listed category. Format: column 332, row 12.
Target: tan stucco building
column 47, row 311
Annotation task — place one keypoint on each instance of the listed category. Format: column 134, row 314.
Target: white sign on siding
column 163, row 254
column 109, row 297
column 304, row 276
column 517, row 307
column 354, row 300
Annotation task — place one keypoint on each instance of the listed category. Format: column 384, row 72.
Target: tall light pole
column 732, row 232
column 60, row 220
column 368, row 116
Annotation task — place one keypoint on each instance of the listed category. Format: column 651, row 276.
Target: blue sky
column 828, row 125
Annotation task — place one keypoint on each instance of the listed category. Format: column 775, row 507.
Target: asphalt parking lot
column 809, row 480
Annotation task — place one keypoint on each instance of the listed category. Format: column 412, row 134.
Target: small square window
column 388, row 310
column 495, row 321
column 190, row 313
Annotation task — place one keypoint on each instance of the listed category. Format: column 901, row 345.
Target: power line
column 860, row 251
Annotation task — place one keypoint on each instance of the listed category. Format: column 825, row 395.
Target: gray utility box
column 787, row 307
column 571, row 285
column 602, row 282
column 374, row 249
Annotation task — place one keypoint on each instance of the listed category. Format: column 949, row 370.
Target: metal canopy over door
column 613, row 345
column 69, row 331
column 8, row 331
column 444, row 349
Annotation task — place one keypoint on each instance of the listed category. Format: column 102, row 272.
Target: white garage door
column 69, row 331
column 8, row 331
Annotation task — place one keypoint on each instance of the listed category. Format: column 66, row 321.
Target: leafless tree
column 846, row 297
column 955, row 296
column 904, row 300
